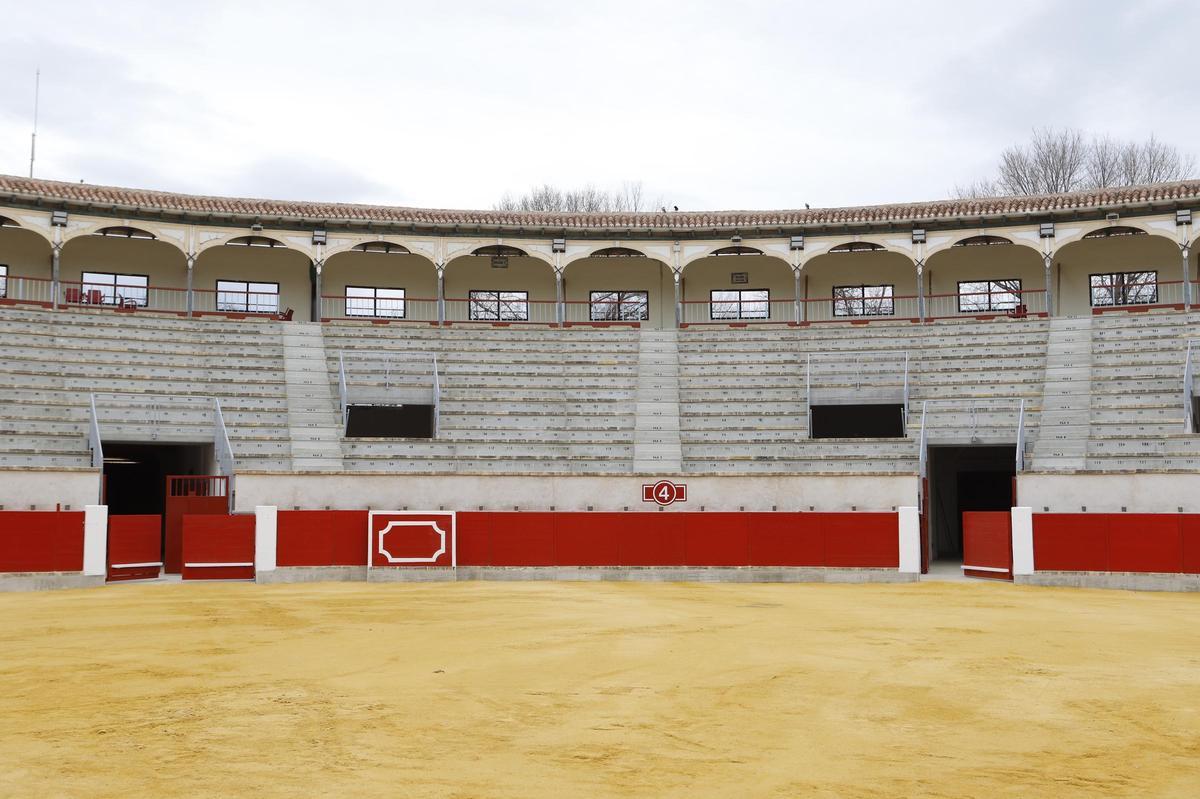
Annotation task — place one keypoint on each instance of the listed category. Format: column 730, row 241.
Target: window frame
column 374, row 299
column 3, row 281
column 1123, row 287
column 993, row 288
column 890, row 298
column 741, row 303
column 118, row 300
column 247, row 294
column 473, row 303
column 620, row 302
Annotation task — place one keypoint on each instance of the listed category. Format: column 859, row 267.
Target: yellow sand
column 582, row 690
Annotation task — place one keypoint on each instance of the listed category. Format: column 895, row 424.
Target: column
column 909, row 519
column 797, row 276
column 265, row 538
column 560, row 308
column 55, row 258
column 191, row 299
column 1022, row 541
column 1187, row 281
column 318, row 265
column 441, row 294
column 921, row 290
column 678, row 299
column 95, row 540
column 1049, row 260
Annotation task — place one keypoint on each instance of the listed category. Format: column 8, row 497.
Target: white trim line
column 453, row 542
column 983, row 569
column 431, row 559
column 214, row 565
column 137, row 565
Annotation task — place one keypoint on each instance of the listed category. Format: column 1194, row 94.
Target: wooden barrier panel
column 321, row 538
column 218, row 547
column 134, row 547
column 1166, row 543
column 41, row 541
column 987, row 544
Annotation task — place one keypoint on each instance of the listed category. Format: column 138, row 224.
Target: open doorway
column 965, row 478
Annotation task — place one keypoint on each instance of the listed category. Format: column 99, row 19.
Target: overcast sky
column 710, row 104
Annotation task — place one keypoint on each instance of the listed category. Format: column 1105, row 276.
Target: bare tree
column 1063, row 160
column 586, row 200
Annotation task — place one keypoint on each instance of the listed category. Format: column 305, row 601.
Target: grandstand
column 980, row 384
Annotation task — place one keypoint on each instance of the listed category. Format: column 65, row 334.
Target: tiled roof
column 50, row 192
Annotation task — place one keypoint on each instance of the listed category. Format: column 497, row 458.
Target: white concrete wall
column 1109, row 493
column 565, row 493
column 764, row 272
column 416, row 275
column 25, row 253
column 475, row 273
column 163, row 263
column 1076, row 262
column 19, row 490
column 624, row 274
column 288, row 268
column 944, row 270
column 824, row 272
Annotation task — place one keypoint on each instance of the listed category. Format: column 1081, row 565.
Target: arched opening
column 1122, row 270
column 379, row 280
column 619, row 285
column 500, row 285
column 859, row 281
column 25, row 265
column 984, row 276
column 253, row 275
column 756, row 288
column 1115, row 230
column 125, row 268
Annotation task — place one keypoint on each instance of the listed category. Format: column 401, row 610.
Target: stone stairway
column 1062, row 439
column 656, row 446
column 314, row 421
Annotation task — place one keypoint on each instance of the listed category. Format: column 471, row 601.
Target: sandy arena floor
column 583, row 690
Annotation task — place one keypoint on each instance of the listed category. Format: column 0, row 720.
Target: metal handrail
column 923, row 443
column 1188, row 389
column 808, row 393
column 94, row 442
column 223, row 450
column 1020, row 463
column 437, row 398
column 342, row 389
column 905, row 418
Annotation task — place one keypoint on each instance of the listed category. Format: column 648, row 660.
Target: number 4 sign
column 664, row 492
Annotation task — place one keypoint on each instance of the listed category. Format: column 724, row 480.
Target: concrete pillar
column 1022, row 541
column 797, row 280
column 95, row 540
column 678, row 299
column 191, row 297
column 1049, row 260
column 1187, row 278
column 266, row 537
column 910, row 540
column 921, row 290
column 441, row 294
column 55, row 259
column 318, row 265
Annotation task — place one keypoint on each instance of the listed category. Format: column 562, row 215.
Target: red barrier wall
column 678, row 539
column 321, row 538
column 1117, row 542
column 218, row 539
column 987, row 541
column 134, row 539
column 41, row 541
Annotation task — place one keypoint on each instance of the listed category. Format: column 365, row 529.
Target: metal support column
column 441, row 295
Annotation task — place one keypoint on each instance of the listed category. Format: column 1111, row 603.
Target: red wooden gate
column 218, row 547
column 134, row 547
column 188, row 495
column 987, row 544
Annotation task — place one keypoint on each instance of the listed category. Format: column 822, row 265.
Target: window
column 739, row 304
column 499, row 306
column 3, row 280
column 104, row 288
column 1125, row 288
column 975, row 296
column 377, row 302
column 864, row 301
column 247, row 297
column 619, row 306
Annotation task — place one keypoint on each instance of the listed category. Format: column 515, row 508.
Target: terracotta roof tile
column 51, row 191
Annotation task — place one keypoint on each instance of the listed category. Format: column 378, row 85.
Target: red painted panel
column 861, row 539
column 218, row 539
column 522, row 539
column 716, row 539
column 1189, row 528
column 1070, row 542
column 321, row 538
column 1145, row 542
column 785, row 539
column 593, row 539
column 658, row 538
column 987, row 541
column 474, row 538
column 134, row 539
column 192, row 495
column 41, row 541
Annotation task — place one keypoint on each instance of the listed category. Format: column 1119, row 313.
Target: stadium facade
column 1002, row 384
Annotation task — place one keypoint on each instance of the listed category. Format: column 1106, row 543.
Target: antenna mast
column 37, row 87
